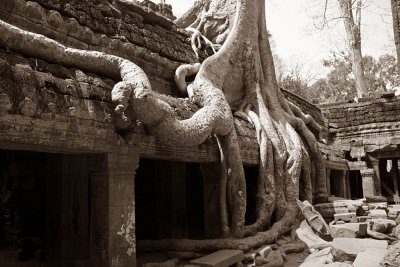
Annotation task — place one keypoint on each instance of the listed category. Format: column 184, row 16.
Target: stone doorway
column 169, row 200
column 44, row 209
column 389, row 178
column 251, row 174
column 356, row 187
column 340, row 183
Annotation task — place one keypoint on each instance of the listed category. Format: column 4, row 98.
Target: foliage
column 339, row 85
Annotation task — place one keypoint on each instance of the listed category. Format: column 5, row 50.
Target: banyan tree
column 237, row 81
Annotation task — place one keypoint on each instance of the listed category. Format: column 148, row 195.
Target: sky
column 296, row 40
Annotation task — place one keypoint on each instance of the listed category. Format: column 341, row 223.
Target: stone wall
column 48, row 105
column 142, row 36
column 373, row 122
column 54, row 107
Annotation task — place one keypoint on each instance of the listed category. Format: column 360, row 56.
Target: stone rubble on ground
column 346, row 249
column 351, row 230
column 392, row 257
column 371, row 257
column 365, row 234
column 222, row 258
column 349, row 217
column 344, row 233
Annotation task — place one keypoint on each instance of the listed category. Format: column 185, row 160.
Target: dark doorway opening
column 389, row 175
column 22, row 206
column 44, row 209
column 251, row 173
column 356, row 189
column 338, row 183
column 169, row 200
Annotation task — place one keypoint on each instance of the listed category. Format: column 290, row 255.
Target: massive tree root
column 240, row 77
column 289, row 152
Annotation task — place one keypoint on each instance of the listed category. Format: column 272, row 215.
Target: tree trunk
column 396, row 29
column 353, row 34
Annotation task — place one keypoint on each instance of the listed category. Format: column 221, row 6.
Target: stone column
column 113, row 240
column 377, row 175
column 328, row 181
column 368, row 182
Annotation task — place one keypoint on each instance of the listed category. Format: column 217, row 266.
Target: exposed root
column 196, row 41
column 223, row 176
column 192, row 16
column 236, row 187
column 245, row 244
column 180, row 77
column 306, row 188
column 377, row 235
column 308, row 120
column 265, row 184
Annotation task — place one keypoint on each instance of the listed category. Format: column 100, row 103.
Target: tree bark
column 353, row 33
column 396, row 30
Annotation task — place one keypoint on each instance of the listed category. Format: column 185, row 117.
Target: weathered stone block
column 22, row 73
column 327, row 210
column 340, row 210
column 350, row 230
column 318, row 258
column 378, row 213
column 263, row 251
column 260, row 261
column 19, row 7
column 35, row 12
column 275, row 259
column 55, row 20
column 361, row 219
column 28, row 107
column 378, row 205
column 350, row 217
column 222, row 258
column 371, row 257
column 392, row 258
column 393, row 211
column 307, row 235
column 71, row 41
column 347, row 248
column 71, row 25
column 382, row 225
column 6, row 5
column 89, row 36
column 5, row 103
column 338, row 264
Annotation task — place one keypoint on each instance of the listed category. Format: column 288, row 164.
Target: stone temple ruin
column 77, row 189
